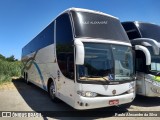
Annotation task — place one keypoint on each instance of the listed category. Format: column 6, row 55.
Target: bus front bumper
column 99, row 102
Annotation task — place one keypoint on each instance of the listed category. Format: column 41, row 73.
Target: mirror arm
column 79, row 50
column 146, row 52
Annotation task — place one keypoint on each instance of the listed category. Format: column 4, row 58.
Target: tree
column 2, row 57
column 11, row 58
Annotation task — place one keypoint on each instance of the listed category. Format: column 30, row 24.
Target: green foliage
column 4, row 78
column 10, row 59
column 9, row 68
column 2, row 57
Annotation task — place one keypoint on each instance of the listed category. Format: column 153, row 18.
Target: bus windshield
column 104, row 62
column 155, row 61
column 92, row 25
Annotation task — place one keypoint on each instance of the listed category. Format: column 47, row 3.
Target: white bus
column 84, row 58
column 145, row 37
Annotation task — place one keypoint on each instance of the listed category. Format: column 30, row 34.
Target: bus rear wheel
column 26, row 78
column 52, row 92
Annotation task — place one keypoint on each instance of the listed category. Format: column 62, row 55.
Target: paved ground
column 17, row 96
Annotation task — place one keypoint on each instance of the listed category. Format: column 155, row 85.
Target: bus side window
column 131, row 30
column 64, row 46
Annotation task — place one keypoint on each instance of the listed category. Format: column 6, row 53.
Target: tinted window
column 45, row 38
column 131, row 30
column 150, row 31
column 64, row 46
column 93, row 25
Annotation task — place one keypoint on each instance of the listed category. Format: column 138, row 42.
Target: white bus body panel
column 99, row 102
column 107, row 95
column 146, row 85
column 44, row 66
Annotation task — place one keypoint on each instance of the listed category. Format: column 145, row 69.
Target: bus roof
column 139, row 22
column 86, row 10
column 77, row 9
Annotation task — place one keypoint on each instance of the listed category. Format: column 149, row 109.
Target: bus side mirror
column 146, row 52
column 79, row 57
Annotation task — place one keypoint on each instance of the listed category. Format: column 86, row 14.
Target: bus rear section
column 90, row 63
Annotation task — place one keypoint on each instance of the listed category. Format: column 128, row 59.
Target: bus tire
column 26, row 79
column 52, row 92
column 24, row 76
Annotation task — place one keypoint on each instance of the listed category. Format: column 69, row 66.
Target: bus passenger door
column 70, row 84
column 65, row 57
column 140, row 72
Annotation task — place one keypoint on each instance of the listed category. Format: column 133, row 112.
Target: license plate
column 113, row 102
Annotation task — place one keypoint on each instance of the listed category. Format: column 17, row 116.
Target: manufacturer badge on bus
column 114, row 92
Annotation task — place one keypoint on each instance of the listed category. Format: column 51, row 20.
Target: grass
column 9, row 70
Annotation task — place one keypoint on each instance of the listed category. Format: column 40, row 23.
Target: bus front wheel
column 52, row 92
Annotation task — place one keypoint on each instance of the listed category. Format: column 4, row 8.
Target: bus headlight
column 87, row 93
column 131, row 90
column 132, row 87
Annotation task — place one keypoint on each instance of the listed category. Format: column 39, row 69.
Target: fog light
column 86, row 104
column 131, row 90
column 81, row 104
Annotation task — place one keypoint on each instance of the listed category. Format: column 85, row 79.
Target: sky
column 22, row 20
